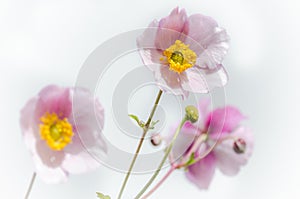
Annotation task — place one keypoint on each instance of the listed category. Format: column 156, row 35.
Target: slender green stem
column 153, row 109
column 163, row 160
column 173, row 168
column 145, row 130
column 196, row 145
column 30, row 185
column 206, row 153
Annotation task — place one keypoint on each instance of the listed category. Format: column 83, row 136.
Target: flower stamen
column 55, row 131
column 177, row 57
column 180, row 57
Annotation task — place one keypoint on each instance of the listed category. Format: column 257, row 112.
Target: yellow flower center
column 55, row 131
column 180, row 57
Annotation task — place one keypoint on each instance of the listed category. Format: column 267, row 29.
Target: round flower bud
column 191, row 113
column 239, row 146
column 156, row 139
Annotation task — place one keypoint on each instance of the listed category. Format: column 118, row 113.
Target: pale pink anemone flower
column 53, row 126
column 185, row 53
column 228, row 142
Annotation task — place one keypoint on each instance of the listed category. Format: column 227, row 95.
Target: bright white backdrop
column 45, row 42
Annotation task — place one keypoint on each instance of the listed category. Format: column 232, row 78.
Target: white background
column 46, row 42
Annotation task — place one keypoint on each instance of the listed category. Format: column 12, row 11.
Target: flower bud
column 239, row 146
column 191, row 113
column 156, row 139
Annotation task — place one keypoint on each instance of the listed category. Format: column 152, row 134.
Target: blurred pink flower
column 53, row 134
column 234, row 143
column 185, row 53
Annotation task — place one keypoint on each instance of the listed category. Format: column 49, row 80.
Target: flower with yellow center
column 180, row 57
column 58, row 148
column 55, row 131
column 185, row 53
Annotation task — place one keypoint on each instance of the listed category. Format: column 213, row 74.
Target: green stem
column 160, row 182
column 206, row 153
column 163, row 160
column 196, row 145
column 30, row 185
column 146, row 128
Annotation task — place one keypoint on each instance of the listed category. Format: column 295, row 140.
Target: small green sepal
column 102, row 196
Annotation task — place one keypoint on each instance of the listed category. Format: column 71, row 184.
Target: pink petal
column 224, row 120
column 171, row 28
column 209, row 41
column 199, row 28
column 194, row 81
column 203, row 110
column 202, row 172
column 27, row 121
column 87, row 120
column 169, row 81
column 151, row 58
column 228, row 161
column 49, row 157
column 46, row 161
column 79, row 163
column 147, row 39
column 75, row 146
column 49, row 175
column 54, row 99
column 203, row 81
column 145, row 42
column 216, row 47
column 215, row 78
column 78, row 160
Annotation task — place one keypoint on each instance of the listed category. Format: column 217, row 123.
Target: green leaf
column 135, row 118
column 102, row 196
column 138, row 121
column 153, row 123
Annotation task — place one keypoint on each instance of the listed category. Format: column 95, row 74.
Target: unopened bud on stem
column 191, row 113
column 239, row 146
column 156, row 139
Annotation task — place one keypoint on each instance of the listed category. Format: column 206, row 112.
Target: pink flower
column 185, row 53
column 234, row 143
column 52, row 129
